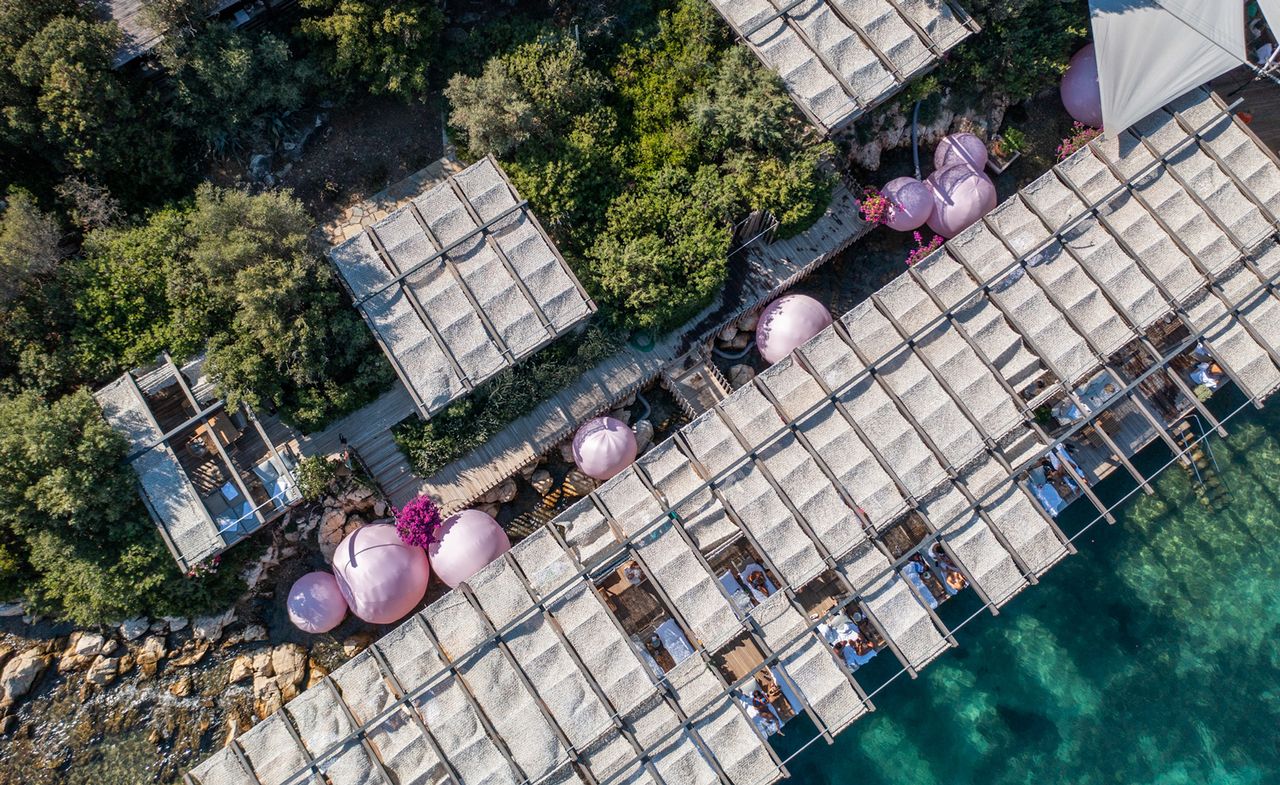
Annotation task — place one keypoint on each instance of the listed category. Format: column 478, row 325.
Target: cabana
column 459, row 284
column 209, row 475
column 839, row 60
column 896, row 441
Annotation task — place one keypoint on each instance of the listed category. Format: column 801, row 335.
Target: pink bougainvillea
column 418, row 522
column 874, row 206
column 1081, row 135
column 922, row 248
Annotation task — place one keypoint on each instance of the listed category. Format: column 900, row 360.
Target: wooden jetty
column 745, row 569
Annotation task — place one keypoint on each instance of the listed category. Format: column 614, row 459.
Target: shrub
column 418, row 522
column 532, row 93
column 386, row 45
column 314, row 474
column 664, row 250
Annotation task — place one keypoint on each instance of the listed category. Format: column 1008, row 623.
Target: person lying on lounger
column 951, row 573
column 761, row 704
column 1207, row 373
column 757, row 580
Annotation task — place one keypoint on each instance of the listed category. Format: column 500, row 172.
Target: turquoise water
column 1152, row 657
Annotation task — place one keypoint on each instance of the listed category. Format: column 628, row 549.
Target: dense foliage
column 418, row 522
column 471, row 421
column 385, row 45
column 641, row 156
column 74, row 536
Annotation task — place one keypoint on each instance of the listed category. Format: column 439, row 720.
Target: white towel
column 735, row 590
column 673, row 640
column 654, row 667
column 1049, row 498
column 912, row 573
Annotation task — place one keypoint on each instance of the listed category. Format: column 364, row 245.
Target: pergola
column 459, row 284
column 840, row 58
column 914, row 406
column 209, row 475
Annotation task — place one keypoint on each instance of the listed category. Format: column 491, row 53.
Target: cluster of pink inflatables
column 381, row 579
column 950, row 200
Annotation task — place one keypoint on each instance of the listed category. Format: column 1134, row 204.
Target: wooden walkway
column 767, row 270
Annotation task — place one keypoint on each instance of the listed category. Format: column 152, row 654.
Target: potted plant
column 1005, row 148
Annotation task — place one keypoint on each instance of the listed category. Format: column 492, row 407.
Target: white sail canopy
column 1151, row 51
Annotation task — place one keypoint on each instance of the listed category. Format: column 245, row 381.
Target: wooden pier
column 818, row 516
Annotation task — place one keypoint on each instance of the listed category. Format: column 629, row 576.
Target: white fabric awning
column 1151, row 51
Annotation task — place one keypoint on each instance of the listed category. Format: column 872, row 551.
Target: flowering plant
column 874, row 206
column 1081, row 135
column 418, row 522
column 922, row 248
column 205, row 567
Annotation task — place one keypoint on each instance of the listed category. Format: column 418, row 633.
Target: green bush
column 470, row 422
column 388, row 46
column 75, row 538
column 314, row 474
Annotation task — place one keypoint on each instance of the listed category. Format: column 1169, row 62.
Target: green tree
column 386, row 45
column 532, row 93
column 228, row 85
column 292, row 342
column 31, row 244
column 137, row 295
column 663, row 253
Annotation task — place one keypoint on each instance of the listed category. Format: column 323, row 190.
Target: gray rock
column 542, row 481
column 253, row 633
column 260, row 166
column 209, row 628
column 103, row 671
column 21, row 672
column 134, row 628
column 175, row 623
column 8, row 609
column 740, row 375
column 748, row 322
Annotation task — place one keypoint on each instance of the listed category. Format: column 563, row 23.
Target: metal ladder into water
column 1202, row 467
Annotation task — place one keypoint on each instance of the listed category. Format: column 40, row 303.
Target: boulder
column 87, row 644
column 566, row 450
column 381, row 508
column 491, row 509
column 358, row 497
column 150, row 654
column 103, row 671
column 747, row 323
column 134, row 628
column 109, row 648
column 333, row 528
column 528, row 469
column 504, row 493
column 741, row 340
column 182, row 687
column 542, row 481
column 21, row 672
column 728, row 333
column 210, row 628
column 261, row 664
column 644, row 434
column 289, row 661
column 267, row 699
column 241, row 669
column 740, row 375
column 315, row 673
column 127, row 661
column 175, row 623
column 356, row 644
column 254, row 633
column 8, row 609
column 192, row 653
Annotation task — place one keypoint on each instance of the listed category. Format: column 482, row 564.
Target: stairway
column 1201, row 466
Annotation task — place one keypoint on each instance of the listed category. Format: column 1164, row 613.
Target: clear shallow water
column 1152, row 657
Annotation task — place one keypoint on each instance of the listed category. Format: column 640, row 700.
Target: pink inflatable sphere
column 788, row 322
column 603, row 447
column 961, row 197
column 963, row 148
column 316, row 603
column 467, row 541
column 1079, row 89
column 911, row 203
column 381, row 578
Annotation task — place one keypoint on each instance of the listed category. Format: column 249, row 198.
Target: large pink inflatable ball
column 962, row 148
column 910, row 203
column 466, row 542
column 788, row 322
column 316, row 603
column 603, row 447
column 381, row 578
column 961, row 197
column 1079, row 89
